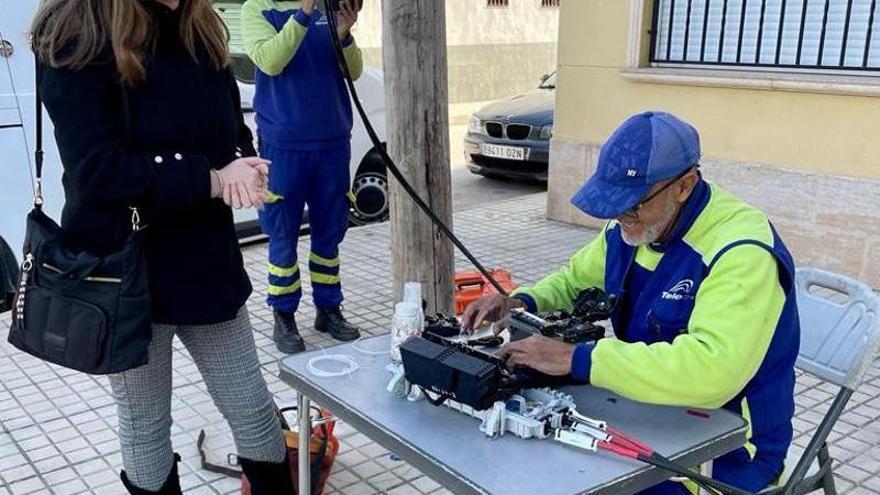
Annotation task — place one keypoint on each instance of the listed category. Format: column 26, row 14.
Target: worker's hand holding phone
column 346, row 17
column 308, row 6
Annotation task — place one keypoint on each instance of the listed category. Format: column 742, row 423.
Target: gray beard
column 652, row 232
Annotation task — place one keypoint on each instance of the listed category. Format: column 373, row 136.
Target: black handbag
column 74, row 308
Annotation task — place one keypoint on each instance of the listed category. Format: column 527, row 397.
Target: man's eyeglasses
column 634, row 211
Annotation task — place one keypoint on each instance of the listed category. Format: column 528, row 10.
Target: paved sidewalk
column 57, row 427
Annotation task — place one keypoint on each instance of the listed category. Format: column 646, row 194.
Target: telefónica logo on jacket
column 679, row 290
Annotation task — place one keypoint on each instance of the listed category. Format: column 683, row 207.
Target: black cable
column 441, row 398
column 389, row 163
column 706, row 482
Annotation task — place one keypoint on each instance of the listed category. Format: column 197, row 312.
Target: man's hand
column 540, row 353
column 348, row 15
column 308, row 6
column 488, row 308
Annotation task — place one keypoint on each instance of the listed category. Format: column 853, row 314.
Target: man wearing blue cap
column 707, row 315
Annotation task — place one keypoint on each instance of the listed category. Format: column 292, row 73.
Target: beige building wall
column 802, row 147
column 493, row 52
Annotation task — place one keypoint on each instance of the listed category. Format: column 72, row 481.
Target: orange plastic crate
column 470, row 286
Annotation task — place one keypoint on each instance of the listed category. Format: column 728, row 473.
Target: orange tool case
column 470, row 286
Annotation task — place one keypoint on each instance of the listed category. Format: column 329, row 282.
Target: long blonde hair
column 72, row 33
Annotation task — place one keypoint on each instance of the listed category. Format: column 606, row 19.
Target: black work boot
column 331, row 321
column 170, row 487
column 286, row 335
column 267, row 478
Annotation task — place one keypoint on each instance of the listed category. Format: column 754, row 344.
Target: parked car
column 511, row 137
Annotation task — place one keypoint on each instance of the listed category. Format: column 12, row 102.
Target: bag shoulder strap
column 38, row 152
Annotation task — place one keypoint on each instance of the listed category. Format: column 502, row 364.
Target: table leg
column 705, row 470
column 305, row 430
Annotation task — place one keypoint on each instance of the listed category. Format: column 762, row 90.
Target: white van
column 17, row 131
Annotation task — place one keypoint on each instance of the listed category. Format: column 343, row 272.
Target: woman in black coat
column 147, row 114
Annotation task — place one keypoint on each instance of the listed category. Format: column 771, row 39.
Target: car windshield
column 550, row 83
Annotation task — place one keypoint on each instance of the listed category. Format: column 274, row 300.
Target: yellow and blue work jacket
column 302, row 102
column 707, row 319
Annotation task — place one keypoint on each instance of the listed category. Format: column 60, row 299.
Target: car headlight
column 475, row 126
column 547, row 131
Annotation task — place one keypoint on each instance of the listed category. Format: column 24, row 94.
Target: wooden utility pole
column 416, row 95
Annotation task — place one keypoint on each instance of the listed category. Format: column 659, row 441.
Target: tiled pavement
column 57, row 428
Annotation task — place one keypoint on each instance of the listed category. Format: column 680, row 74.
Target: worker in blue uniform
column 707, row 315
column 304, row 122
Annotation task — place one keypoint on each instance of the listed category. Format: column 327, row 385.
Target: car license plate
column 505, row 152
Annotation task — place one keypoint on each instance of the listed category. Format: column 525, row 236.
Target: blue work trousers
column 321, row 180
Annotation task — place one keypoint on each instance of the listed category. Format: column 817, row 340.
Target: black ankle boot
column 170, row 487
column 331, row 321
column 267, row 478
column 286, row 335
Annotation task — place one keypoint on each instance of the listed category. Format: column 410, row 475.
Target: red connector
column 617, row 449
column 628, row 442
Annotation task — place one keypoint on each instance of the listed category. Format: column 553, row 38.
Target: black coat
column 183, row 120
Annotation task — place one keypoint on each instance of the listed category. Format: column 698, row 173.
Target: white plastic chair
column 839, row 341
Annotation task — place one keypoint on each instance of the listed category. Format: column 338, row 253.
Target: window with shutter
column 496, row 3
column 783, row 34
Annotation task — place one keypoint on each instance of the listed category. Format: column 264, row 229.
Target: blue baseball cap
column 648, row 148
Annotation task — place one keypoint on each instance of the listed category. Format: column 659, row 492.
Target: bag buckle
column 135, row 219
column 38, row 193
